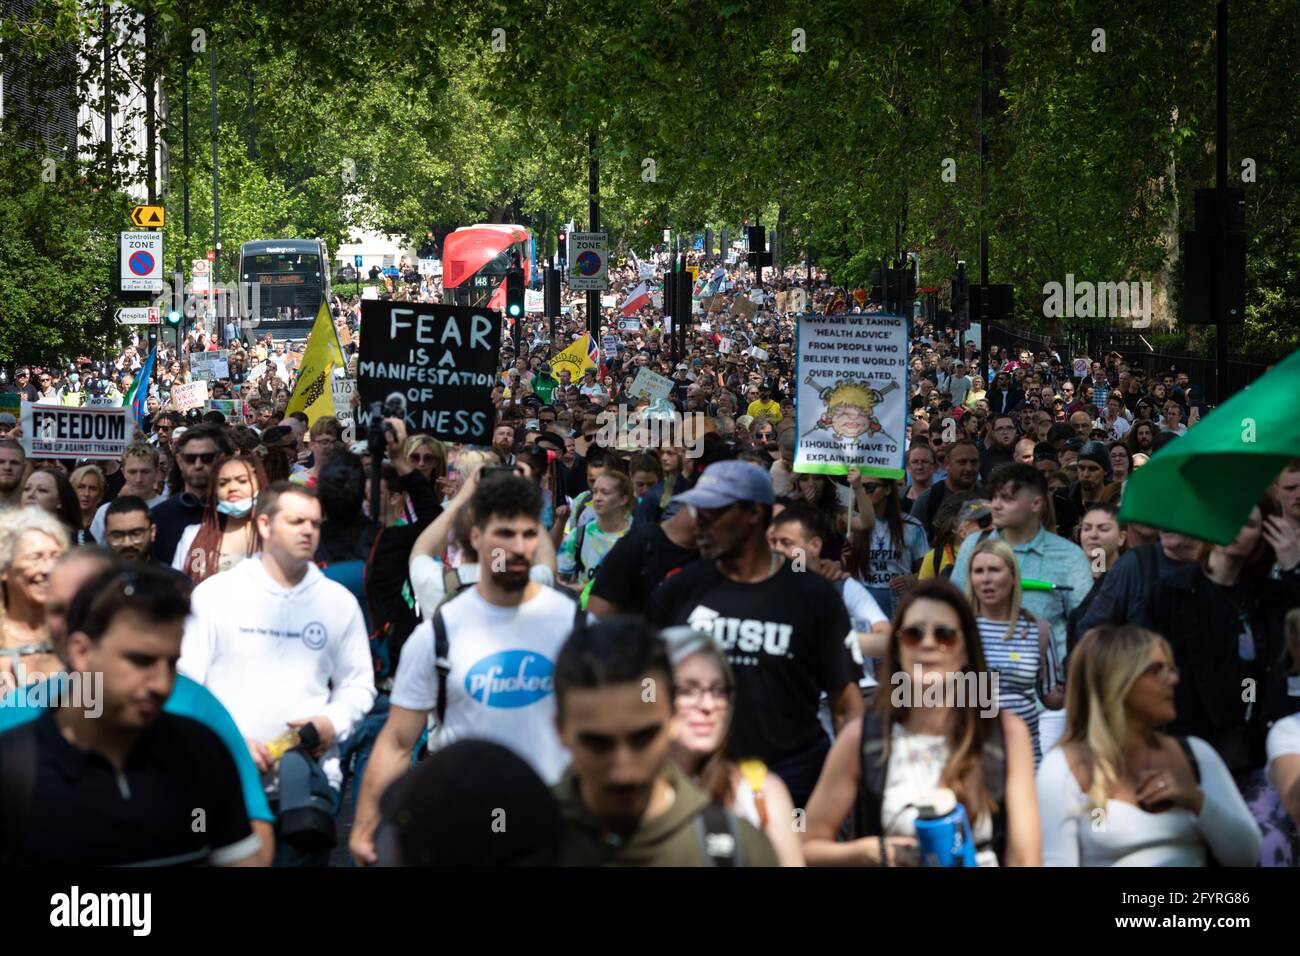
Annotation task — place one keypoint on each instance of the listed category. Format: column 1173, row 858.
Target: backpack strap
column 441, row 663
column 871, row 777
column 577, row 548
column 995, row 781
column 719, row 837
column 18, row 770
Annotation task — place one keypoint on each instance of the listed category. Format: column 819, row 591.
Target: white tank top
column 916, row 762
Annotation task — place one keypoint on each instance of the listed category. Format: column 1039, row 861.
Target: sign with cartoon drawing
column 852, row 394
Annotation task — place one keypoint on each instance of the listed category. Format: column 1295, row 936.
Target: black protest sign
column 434, row 365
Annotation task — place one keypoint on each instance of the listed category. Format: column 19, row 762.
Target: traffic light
column 515, row 294
column 174, row 318
column 561, row 249
column 551, row 295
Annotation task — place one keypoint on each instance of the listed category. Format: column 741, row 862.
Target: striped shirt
column 1023, row 673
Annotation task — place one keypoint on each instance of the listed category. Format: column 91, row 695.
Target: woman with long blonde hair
column 1117, row 791
column 1018, row 646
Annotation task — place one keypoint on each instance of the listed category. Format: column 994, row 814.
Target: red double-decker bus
column 475, row 260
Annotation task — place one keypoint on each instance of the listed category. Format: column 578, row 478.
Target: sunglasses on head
column 913, row 634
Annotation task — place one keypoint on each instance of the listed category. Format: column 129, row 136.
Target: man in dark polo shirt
column 105, row 778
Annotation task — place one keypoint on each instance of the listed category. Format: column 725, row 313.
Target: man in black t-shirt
column 105, row 778
column 643, row 559
column 783, row 631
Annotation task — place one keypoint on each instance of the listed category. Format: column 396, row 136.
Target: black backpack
column 871, row 783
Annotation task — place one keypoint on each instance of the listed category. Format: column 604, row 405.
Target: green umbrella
column 1205, row 483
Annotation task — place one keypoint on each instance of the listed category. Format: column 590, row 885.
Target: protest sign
column 629, row 325
column 342, row 389
column 609, row 301
column 534, row 300
column 743, row 306
column 236, row 411
column 757, row 353
column 851, row 377
column 609, row 344
column 432, row 365
column 56, row 431
column 191, row 395
column 724, row 347
column 1081, row 366
column 210, row 366
column 651, row 385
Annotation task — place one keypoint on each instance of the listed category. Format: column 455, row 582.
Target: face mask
column 236, row 509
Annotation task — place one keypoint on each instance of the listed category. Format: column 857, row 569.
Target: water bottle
column 283, row 744
column 943, row 830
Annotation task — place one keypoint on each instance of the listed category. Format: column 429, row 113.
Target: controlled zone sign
column 851, row 403
column 432, row 365
column 56, row 431
column 141, row 261
column 588, row 261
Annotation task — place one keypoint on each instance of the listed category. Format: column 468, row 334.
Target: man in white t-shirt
column 502, row 639
column 140, row 469
column 797, row 532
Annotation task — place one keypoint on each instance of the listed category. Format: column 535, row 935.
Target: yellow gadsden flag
column 312, row 394
column 576, row 358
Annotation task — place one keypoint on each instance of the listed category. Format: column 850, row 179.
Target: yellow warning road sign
column 148, row 216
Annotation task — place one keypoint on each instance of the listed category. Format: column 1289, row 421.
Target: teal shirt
column 188, row 699
column 1044, row 557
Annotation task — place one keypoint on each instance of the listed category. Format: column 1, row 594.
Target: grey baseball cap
column 726, row 482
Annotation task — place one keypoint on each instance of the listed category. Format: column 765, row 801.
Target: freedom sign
column 56, row 431
column 432, row 365
column 851, row 402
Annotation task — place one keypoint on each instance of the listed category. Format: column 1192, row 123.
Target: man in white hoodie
column 278, row 643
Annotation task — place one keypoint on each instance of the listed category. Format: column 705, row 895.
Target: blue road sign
column 356, row 261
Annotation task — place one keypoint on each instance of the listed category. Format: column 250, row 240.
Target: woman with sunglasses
column 926, row 734
column 227, row 534
column 1118, row 791
column 704, row 701
column 1017, row 645
column 886, row 557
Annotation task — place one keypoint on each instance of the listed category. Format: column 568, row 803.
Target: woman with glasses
column 48, row 488
column 939, row 727
column 89, row 484
column 1017, row 645
column 1118, row 791
column 704, row 702
column 31, row 542
column 227, row 534
column 887, row 557
column 1224, row 616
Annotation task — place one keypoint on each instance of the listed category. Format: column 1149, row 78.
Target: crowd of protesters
column 678, row 654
